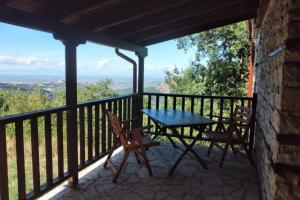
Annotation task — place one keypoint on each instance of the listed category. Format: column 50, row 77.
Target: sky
column 26, row 52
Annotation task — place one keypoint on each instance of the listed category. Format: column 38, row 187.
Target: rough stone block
column 290, row 123
column 291, row 75
column 290, row 99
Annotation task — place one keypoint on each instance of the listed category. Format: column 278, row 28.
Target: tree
column 220, row 64
column 98, row 90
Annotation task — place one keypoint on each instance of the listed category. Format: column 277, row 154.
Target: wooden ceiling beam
column 73, row 7
column 184, row 13
column 130, row 11
column 19, row 18
column 197, row 28
column 208, row 17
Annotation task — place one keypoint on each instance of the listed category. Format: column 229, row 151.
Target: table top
column 177, row 118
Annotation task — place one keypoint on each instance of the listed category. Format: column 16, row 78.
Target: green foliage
column 99, row 90
column 220, row 64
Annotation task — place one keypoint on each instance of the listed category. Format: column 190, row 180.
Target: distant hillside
column 50, row 87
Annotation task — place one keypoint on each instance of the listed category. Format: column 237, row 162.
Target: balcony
column 45, row 155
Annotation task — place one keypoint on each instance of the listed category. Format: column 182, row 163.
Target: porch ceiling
column 139, row 22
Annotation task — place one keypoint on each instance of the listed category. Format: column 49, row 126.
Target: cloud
column 94, row 64
column 158, row 67
column 28, row 61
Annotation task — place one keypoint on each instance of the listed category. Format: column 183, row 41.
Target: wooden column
column 138, row 105
column 252, row 127
column 71, row 43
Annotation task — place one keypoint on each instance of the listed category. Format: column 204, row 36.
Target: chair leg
column 137, row 157
column 146, row 161
column 210, row 148
column 115, row 146
column 248, row 155
column 233, row 149
column 224, row 154
column 121, row 166
column 108, row 157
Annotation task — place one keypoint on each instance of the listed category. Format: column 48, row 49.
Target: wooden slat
column 120, row 115
column 3, row 164
column 221, row 108
column 48, row 140
column 149, row 107
column 115, row 111
column 174, row 102
column 191, row 9
column 192, row 110
column 166, row 102
column 211, row 110
column 231, row 106
column 216, row 13
column 196, row 28
column 109, row 133
column 201, row 105
column 90, row 132
column 35, row 154
column 138, row 9
column 97, row 127
column 75, row 7
column 124, row 109
column 157, row 107
column 60, row 145
column 103, row 127
column 20, row 160
column 182, row 108
column 129, row 108
column 82, row 135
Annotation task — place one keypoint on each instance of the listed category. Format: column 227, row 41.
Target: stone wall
column 277, row 84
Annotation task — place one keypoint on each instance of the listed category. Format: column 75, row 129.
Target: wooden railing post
column 3, row 164
column 252, row 127
column 71, row 41
column 139, row 100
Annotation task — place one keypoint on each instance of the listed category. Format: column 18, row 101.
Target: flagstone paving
column 236, row 180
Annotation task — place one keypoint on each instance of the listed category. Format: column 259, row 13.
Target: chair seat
column 147, row 142
column 217, row 136
column 223, row 137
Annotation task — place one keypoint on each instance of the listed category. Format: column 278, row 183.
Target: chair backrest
column 116, row 127
column 240, row 122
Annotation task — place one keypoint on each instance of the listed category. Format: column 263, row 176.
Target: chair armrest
column 128, row 120
column 126, row 123
column 140, row 129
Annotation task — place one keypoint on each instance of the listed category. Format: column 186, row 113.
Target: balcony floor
column 236, row 180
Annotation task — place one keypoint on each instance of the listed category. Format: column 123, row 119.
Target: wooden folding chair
column 235, row 134
column 131, row 140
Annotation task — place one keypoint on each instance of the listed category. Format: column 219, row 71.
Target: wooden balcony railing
column 40, row 143
column 42, row 135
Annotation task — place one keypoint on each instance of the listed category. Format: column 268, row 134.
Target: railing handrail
column 98, row 101
column 197, row 96
column 27, row 115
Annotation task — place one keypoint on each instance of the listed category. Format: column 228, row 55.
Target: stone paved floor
column 236, row 180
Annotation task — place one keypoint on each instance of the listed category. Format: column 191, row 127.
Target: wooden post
column 3, row 164
column 252, row 127
column 71, row 42
column 251, row 59
column 139, row 101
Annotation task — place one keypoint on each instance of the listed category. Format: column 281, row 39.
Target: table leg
column 188, row 148
column 163, row 130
